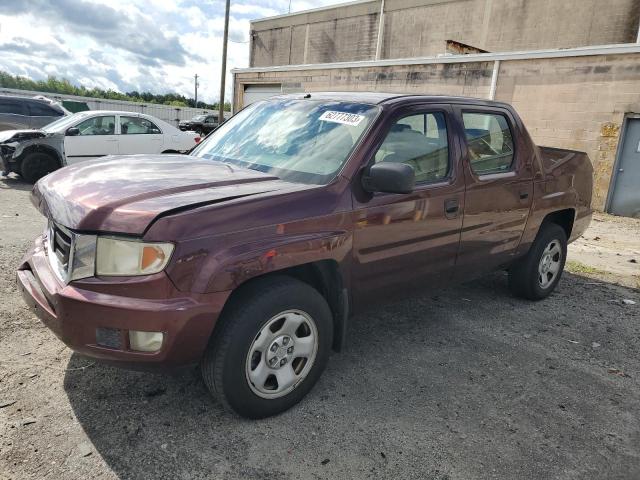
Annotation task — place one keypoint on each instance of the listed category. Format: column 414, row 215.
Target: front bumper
column 75, row 311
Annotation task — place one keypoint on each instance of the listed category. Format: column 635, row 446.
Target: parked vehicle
column 203, row 124
column 250, row 254
column 88, row 135
column 17, row 113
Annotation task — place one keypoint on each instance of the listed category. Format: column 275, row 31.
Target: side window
column 211, row 120
column 41, row 110
column 98, row 126
column 419, row 141
column 11, row 106
column 489, row 141
column 137, row 126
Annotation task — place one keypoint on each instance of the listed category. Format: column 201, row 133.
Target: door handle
column 524, row 195
column 451, row 208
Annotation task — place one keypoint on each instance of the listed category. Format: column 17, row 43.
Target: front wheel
column 36, row 165
column 271, row 347
column 536, row 275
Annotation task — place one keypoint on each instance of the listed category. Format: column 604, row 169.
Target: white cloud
column 144, row 45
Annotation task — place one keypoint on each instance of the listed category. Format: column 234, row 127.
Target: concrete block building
column 571, row 68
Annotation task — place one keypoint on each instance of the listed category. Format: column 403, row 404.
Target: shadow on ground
column 464, row 383
column 14, row 182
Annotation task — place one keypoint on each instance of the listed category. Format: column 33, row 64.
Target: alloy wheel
column 282, row 354
column 550, row 261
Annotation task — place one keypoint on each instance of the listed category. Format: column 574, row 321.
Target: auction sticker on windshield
column 345, row 118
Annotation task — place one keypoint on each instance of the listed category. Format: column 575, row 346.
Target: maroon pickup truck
column 249, row 255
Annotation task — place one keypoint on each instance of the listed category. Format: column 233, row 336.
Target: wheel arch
column 37, row 148
column 564, row 218
column 324, row 276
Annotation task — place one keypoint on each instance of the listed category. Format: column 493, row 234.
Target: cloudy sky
column 144, row 45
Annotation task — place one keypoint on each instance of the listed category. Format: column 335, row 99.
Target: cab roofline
column 383, row 98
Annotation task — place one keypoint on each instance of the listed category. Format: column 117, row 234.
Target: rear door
column 139, row 135
column 406, row 241
column 498, row 171
column 96, row 138
column 13, row 114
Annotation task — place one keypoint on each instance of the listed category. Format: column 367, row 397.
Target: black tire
column 524, row 276
column 36, row 165
column 225, row 361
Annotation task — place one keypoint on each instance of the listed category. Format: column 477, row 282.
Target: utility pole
column 195, row 77
column 223, row 74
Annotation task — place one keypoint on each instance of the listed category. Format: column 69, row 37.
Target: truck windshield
column 301, row 141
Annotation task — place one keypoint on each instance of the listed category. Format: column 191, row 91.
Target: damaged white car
column 88, row 135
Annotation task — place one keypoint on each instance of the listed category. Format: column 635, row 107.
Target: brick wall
column 576, row 103
column 415, row 28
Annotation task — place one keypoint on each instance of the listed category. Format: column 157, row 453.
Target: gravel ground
column 464, row 383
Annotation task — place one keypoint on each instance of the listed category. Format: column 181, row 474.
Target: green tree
column 63, row 86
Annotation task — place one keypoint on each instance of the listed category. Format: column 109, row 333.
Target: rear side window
column 137, row 126
column 489, row 141
column 419, row 141
column 41, row 110
column 11, row 106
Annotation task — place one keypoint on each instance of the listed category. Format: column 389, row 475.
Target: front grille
column 61, row 245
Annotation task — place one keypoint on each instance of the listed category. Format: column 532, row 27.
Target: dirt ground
column 464, row 383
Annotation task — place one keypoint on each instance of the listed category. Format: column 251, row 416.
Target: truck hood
column 124, row 194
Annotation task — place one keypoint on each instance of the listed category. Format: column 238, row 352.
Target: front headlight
column 115, row 256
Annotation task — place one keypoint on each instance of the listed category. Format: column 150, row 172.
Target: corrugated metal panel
column 167, row 113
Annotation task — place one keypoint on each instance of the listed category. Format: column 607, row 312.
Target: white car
column 98, row 133
column 88, row 135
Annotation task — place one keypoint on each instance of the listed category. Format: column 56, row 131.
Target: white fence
column 167, row 113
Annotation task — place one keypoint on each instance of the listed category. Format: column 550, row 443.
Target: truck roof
column 379, row 98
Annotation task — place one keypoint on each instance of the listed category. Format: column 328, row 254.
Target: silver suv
column 21, row 113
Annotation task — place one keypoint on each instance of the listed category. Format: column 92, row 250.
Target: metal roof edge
column 593, row 50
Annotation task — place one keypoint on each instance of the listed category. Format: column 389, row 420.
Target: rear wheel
column 271, row 347
column 36, row 165
column 537, row 274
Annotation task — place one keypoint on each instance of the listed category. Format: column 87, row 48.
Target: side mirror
column 72, row 132
column 390, row 178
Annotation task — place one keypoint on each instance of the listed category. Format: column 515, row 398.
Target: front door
column 210, row 123
column 95, row 138
column 499, row 189
column 406, row 241
column 625, row 199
